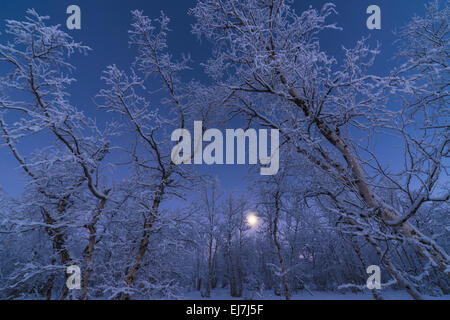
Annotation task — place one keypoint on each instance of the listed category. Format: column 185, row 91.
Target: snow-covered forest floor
column 223, row 294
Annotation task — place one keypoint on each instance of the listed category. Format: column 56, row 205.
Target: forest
column 104, row 194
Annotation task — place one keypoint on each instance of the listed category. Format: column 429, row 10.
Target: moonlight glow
column 252, row 219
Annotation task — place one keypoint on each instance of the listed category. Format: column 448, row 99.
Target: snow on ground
column 223, row 294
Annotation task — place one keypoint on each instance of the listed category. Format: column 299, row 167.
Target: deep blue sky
column 104, row 28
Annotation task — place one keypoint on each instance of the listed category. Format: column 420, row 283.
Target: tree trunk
column 284, row 282
column 143, row 244
column 89, row 250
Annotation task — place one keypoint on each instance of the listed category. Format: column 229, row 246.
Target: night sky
column 104, row 28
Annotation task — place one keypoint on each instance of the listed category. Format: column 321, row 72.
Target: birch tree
column 156, row 177
column 40, row 73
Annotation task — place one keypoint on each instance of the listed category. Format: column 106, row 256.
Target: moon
column 252, row 220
